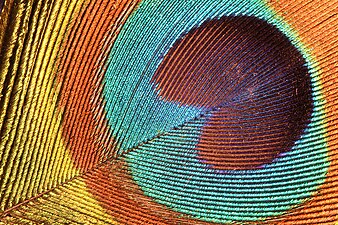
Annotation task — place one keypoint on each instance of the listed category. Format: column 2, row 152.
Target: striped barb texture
column 169, row 112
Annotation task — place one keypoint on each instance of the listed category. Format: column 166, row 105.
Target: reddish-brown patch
column 85, row 128
column 252, row 79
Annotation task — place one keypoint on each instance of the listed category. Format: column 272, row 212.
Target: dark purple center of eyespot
column 251, row 79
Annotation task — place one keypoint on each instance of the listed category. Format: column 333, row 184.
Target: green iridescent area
column 167, row 167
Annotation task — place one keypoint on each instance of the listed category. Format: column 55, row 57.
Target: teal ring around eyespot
column 162, row 169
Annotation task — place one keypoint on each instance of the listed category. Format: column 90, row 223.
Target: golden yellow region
column 35, row 163
column 69, row 203
column 35, row 158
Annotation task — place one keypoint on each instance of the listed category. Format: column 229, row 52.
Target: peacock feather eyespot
column 168, row 112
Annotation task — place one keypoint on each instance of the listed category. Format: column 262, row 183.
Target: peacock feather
column 169, row 112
